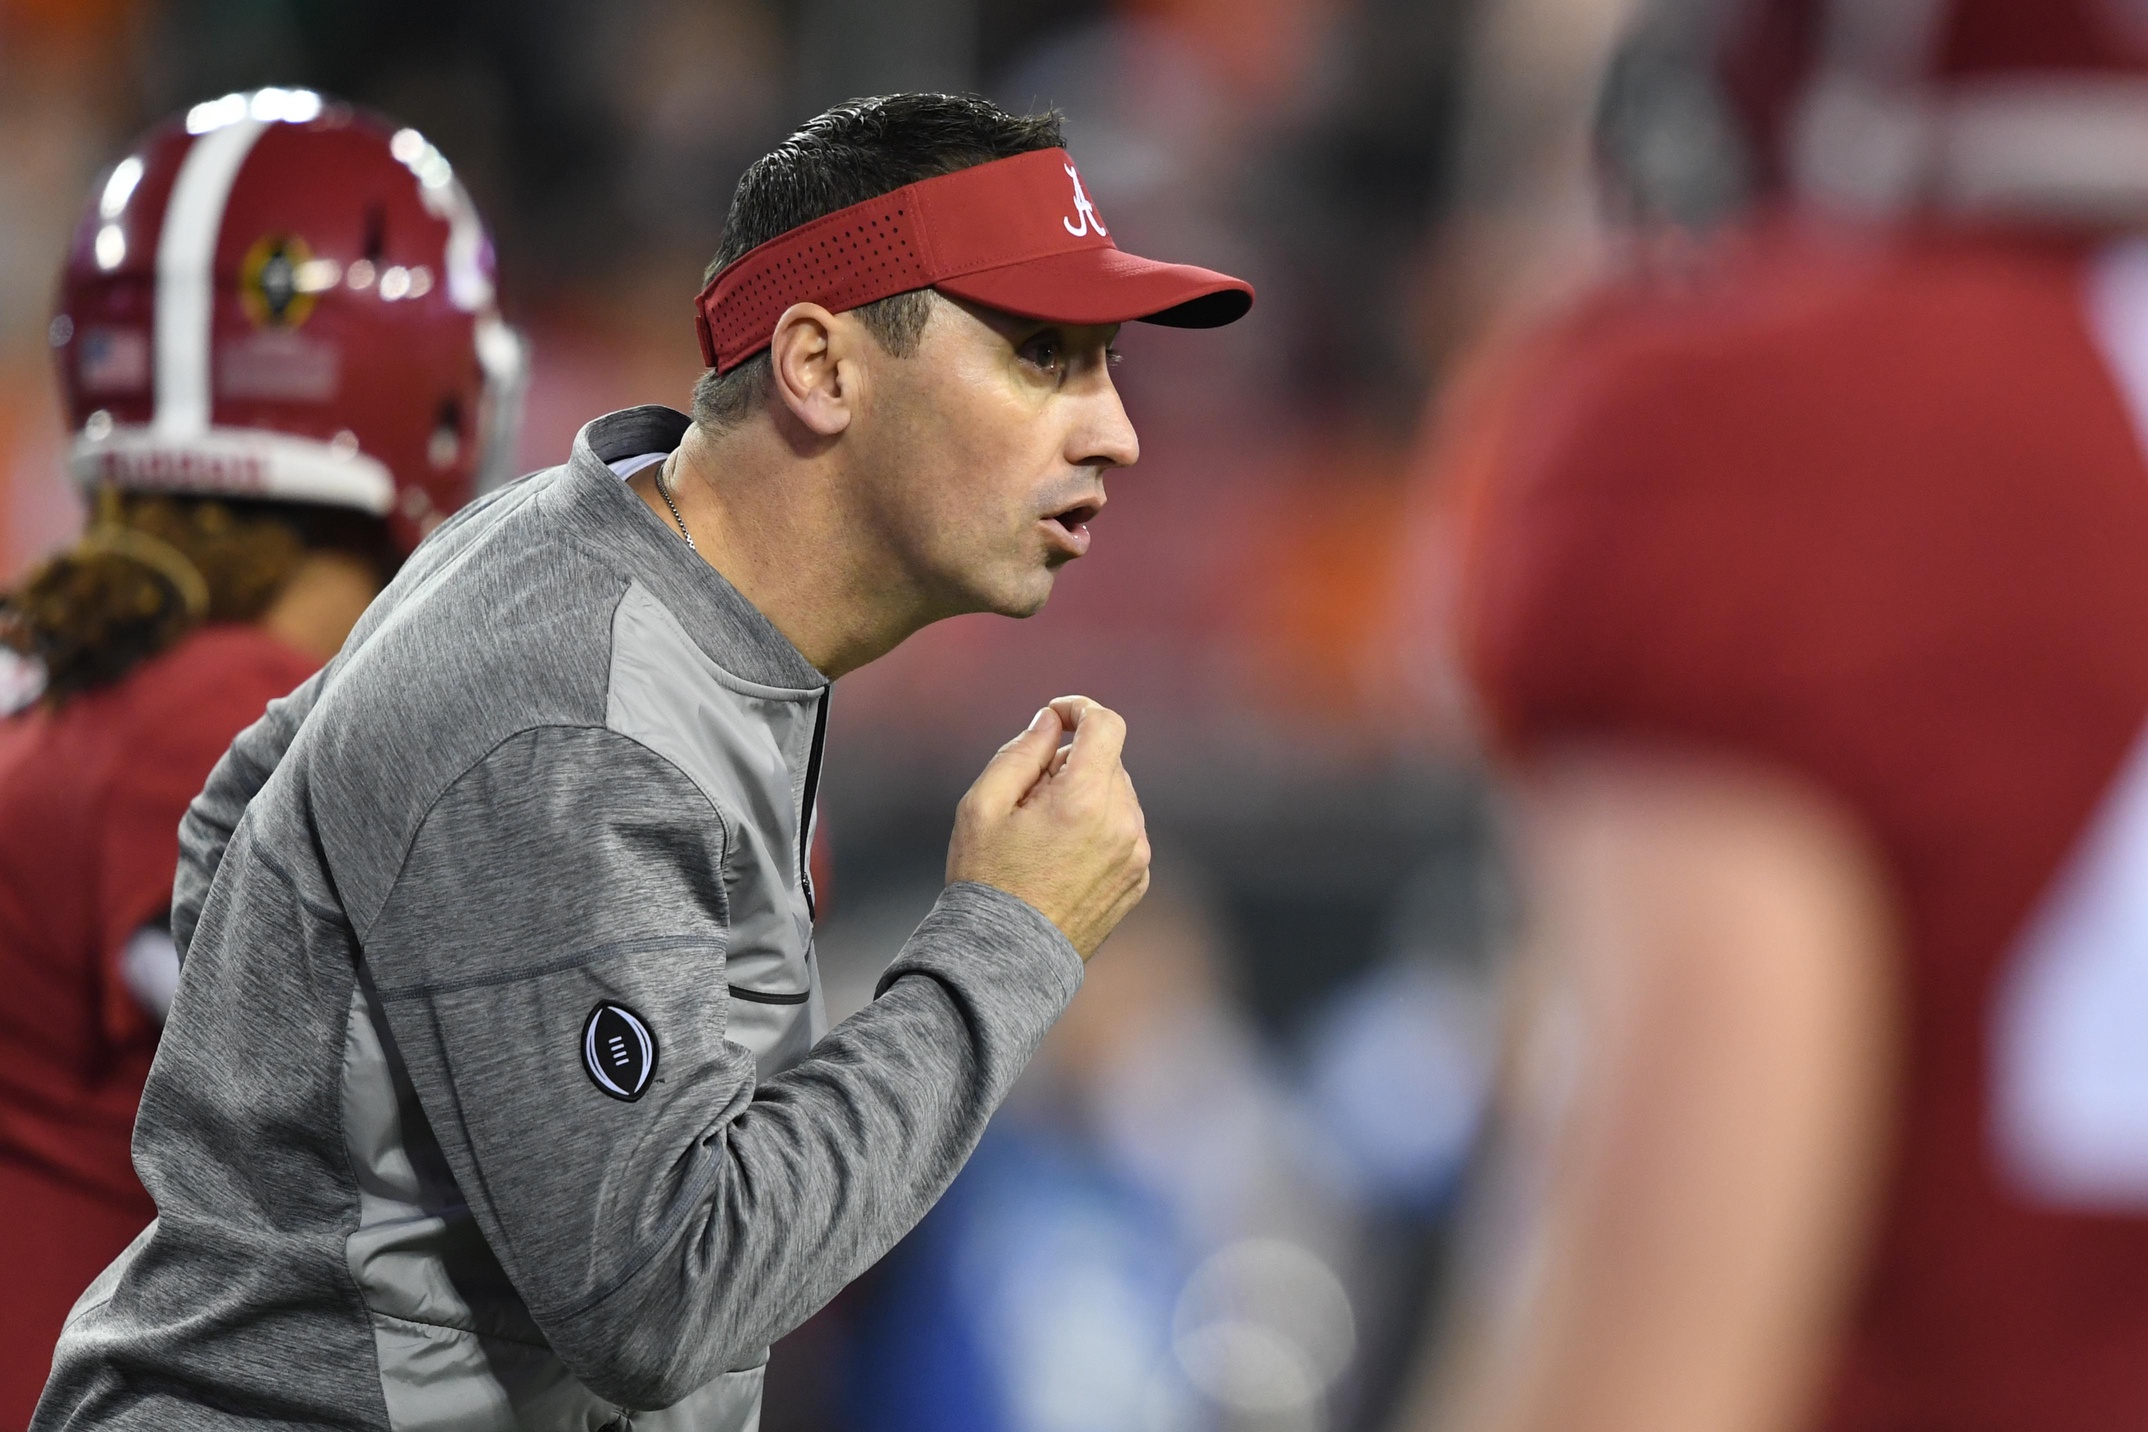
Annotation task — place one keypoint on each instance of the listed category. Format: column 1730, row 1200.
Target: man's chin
column 1030, row 599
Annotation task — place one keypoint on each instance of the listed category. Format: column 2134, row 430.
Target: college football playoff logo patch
column 618, row 1051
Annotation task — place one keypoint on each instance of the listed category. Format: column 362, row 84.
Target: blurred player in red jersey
column 283, row 365
column 1805, row 595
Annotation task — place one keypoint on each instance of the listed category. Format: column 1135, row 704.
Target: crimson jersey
column 1875, row 510
column 90, row 800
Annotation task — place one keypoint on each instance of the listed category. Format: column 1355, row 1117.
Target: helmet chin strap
column 111, row 534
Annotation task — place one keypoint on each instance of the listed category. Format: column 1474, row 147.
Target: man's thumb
column 1018, row 765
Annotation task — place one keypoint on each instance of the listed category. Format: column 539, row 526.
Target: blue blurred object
column 1037, row 1297
column 1399, row 1070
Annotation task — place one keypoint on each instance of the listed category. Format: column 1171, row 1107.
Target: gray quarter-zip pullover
column 497, row 1093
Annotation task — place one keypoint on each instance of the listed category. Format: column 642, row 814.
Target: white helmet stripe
column 186, row 273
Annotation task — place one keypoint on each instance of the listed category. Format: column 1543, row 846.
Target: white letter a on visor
column 1083, row 209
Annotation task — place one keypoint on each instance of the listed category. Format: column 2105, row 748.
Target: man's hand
column 1058, row 826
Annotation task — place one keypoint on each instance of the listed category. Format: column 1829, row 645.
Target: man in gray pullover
column 497, row 1093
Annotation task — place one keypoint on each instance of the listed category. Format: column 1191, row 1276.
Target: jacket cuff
column 999, row 949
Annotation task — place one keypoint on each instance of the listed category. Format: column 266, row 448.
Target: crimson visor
column 1019, row 235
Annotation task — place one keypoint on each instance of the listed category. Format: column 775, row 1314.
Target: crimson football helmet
column 1968, row 106
column 276, row 296
column 2001, row 108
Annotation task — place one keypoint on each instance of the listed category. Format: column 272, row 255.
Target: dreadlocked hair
column 153, row 567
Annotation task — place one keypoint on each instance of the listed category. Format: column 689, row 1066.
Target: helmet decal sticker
column 279, row 366
column 269, row 281
column 112, row 360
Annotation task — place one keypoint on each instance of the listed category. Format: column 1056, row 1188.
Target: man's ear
column 815, row 367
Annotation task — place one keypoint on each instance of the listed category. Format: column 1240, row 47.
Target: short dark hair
column 859, row 150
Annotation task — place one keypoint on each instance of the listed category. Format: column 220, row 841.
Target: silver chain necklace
column 664, row 491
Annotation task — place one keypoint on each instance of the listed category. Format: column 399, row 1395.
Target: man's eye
column 1042, row 352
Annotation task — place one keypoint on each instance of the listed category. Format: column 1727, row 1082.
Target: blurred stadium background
column 1222, row 1197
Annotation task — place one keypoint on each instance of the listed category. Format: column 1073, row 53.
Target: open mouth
column 1071, row 525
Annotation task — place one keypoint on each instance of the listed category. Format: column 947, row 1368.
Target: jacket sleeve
column 663, row 1239
column 205, row 830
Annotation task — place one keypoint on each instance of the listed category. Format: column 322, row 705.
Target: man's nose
column 1105, row 437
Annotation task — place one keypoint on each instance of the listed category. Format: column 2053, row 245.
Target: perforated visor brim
column 1107, row 286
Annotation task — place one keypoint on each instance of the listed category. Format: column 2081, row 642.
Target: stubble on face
column 969, row 459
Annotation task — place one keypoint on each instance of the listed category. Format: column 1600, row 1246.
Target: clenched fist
column 1058, row 826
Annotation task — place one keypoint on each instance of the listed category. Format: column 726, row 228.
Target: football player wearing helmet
column 1804, row 592
column 283, row 364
